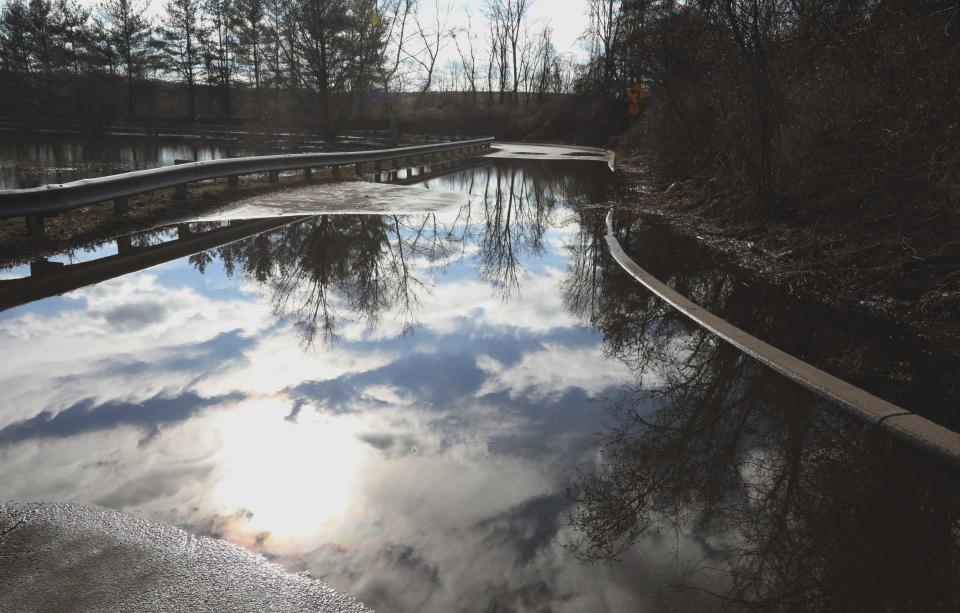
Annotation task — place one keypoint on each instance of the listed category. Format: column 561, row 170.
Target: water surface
column 34, row 159
column 475, row 410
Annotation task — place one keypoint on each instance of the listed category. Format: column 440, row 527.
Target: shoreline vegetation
column 858, row 266
column 817, row 143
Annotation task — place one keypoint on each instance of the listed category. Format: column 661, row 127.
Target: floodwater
column 469, row 410
column 31, row 160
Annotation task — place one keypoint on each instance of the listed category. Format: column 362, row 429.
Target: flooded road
column 469, row 410
column 31, row 160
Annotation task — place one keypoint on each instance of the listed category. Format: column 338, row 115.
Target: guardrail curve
column 915, row 430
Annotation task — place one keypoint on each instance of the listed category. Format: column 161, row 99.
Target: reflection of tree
column 519, row 202
column 327, row 268
column 581, row 288
column 331, row 267
column 801, row 507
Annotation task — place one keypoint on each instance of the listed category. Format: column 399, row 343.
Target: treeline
column 838, row 102
column 321, row 47
column 319, row 63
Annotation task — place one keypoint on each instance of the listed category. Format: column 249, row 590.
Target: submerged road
column 67, row 557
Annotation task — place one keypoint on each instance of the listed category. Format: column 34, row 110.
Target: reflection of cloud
column 114, row 467
column 85, row 417
column 459, row 303
column 135, row 315
column 15, row 272
column 275, row 362
column 440, row 525
column 407, row 470
column 551, row 371
column 93, row 358
column 465, row 531
column 433, row 379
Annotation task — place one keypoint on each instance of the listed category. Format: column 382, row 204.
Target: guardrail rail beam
column 38, row 202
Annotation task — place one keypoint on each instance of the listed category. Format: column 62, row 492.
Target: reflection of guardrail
column 52, row 278
column 425, row 173
column 909, row 427
column 38, row 202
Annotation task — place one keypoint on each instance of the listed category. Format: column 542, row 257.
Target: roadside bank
column 905, row 272
column 71, row 557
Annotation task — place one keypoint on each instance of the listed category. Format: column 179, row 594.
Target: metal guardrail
column 913, row 429
column 48, row 200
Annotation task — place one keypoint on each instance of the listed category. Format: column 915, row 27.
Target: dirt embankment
column 902, row 267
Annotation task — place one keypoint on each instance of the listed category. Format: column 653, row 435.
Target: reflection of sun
column 296, row 479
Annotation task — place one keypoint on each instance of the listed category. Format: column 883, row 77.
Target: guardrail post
column 121, row 205
column 274, row 177
column 124, row 245
column 233, row 181
column 180, row 191
column 307, row 174
column 35, row 226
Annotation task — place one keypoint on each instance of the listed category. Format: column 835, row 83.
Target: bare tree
column 507, row 20
column 468, row 59
column 604, row 33
column 434, row 38
column 397, row 16
column 499, row 65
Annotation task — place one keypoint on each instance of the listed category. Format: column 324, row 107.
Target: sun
column 292, row 480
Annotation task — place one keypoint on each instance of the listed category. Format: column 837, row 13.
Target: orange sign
column 636, row 95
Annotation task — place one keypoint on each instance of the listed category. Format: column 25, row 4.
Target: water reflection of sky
column 420, row 470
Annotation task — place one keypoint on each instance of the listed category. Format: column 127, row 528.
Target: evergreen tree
column 221, row 46
column 14, row 38
column 249, row 17
column 180, row 40
column 124, row 37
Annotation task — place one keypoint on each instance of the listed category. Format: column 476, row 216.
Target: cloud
column 79, row 351
column 548, row 373
column 136, row 315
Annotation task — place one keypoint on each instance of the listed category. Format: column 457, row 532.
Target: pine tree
column 180, row 41
column 125, row 38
